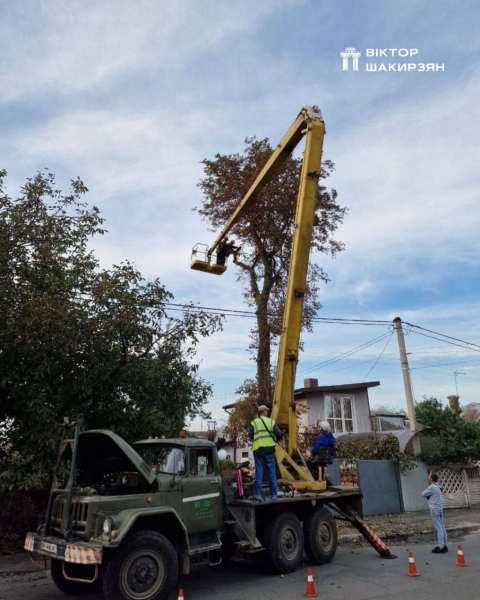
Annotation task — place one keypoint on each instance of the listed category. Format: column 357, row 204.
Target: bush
column 376, row 448
column 19, row 515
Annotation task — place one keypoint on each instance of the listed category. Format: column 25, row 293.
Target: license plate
column 48, row 547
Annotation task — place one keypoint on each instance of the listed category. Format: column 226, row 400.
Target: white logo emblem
column 346, row 54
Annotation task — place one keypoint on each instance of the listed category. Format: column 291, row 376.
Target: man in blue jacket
column 324, row 446
column 433, row 494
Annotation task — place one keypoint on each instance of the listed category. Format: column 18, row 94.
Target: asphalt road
column 355, row 574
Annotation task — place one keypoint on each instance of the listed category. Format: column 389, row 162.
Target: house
column 240, row 454
column 346, row 407
column 384, row 420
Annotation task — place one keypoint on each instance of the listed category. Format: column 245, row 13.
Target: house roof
column 302, row 392
column 335, row 388
column 404, row 437
column 387, row 413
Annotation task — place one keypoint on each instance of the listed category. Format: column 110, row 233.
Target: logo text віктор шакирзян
column 352, row 55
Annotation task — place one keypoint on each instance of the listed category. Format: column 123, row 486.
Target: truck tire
column 144, row 567
column 74, row 588
column 320, row 533
column 283, row 541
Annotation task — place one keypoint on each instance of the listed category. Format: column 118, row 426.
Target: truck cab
column 194, row 484
column 134, row 516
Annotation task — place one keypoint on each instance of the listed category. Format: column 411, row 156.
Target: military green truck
column 130, row 518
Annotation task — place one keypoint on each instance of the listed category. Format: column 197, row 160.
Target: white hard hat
column 325, row 425
column 222, row 454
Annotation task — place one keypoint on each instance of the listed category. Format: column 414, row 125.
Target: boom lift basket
column 202, row 262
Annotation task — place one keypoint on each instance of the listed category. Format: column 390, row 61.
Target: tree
column 243, row 414
column 75, row 338
column 450, row 438
column 265, row 235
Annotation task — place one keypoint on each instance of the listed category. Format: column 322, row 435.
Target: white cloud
column 66, row 46
column 410, row 179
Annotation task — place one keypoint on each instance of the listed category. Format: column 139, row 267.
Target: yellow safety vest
column 261, row 436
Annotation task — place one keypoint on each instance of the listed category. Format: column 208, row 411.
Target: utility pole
column 407, row 383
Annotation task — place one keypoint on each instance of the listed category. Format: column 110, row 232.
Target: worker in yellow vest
column 265, row 433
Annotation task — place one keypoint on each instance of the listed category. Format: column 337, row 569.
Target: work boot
column 438, row 550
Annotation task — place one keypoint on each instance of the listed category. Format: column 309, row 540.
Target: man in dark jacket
column 265, row 433
column 324, row 447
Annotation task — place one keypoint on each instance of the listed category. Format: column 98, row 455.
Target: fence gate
column 379, row 482
column 454, row 484
column 413, row 482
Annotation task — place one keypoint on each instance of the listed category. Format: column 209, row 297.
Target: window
column 201, row 462
column 339, row 413
column 245, row 454
column 163, row 459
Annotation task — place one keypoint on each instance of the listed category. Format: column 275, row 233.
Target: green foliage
column 243, row 414
column 19, row 515
column 375, row 448
column 75, row 338
column 450, row 438
column 227, row 469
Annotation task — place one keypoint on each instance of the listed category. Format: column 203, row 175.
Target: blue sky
column 132, row 95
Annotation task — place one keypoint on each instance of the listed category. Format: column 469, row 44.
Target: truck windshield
column 163, row 459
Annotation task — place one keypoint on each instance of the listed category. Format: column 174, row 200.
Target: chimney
column 310, row 383
column 454, row 404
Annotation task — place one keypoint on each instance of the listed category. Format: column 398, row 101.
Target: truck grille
column 79, row 515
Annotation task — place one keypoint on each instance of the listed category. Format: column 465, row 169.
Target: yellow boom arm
column 310, row 124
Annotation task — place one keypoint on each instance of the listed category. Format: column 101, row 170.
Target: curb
column 22, row 573
column 396, row 537
column 25, row 567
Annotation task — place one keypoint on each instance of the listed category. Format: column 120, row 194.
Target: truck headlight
column 107, row 526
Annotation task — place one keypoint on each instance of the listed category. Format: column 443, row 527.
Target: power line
column 237, row 312
column 380, row 356
column 442, row 335
column 445, row 341
column 345, row 354
column 458, row 362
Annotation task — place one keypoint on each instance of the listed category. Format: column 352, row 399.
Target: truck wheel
column 320, row 533
column 74, row 588
column 145, row 567
column 283, row 541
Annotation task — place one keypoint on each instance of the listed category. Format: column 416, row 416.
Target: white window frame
column 334, row 420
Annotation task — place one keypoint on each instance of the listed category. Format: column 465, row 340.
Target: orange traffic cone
column 310, row 593
column 180, row 594
column 461, row 562
column 412, row 569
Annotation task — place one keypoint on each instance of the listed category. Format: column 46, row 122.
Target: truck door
column 202, row 503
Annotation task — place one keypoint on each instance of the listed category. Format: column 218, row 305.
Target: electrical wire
column 344, row 354
column 236, row 312
column 446, row 342
column 443, row 335
column 379, row 357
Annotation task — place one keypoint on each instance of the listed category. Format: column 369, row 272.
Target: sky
column 132, row 95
